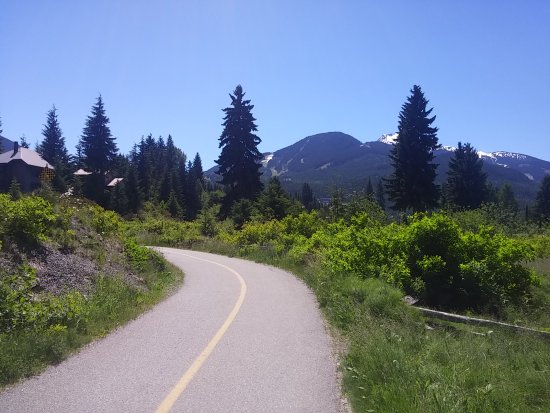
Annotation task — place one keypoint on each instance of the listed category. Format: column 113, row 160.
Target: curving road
column 239, row 337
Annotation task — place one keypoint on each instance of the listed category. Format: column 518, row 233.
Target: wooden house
column 26, row 166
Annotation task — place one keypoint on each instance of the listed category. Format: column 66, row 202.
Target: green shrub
column 139, row 256
column 434, row 259
column 28, row 219
column 21, row 309
column 104, row 222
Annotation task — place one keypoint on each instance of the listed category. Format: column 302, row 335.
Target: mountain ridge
column 331, row 160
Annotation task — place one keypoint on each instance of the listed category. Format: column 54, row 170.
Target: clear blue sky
column 166, row 67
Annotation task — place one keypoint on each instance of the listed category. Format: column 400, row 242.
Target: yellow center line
column 175, row 393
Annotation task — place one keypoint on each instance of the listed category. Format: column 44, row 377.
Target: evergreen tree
column 307, row 198
column 98, row 151
column 1, row 148
column 133, row 193
column 196, row 168
column 369, row 190
column 380, row 199
column 194, row 187
column 239, row 161
column 98, row 145
column 241, row 211
column 411, row 185
column 23, row 142
column 144, row 163
column 15, row 190
column 166, row 187
column 118, row 200
column 542, row 202
column 274, row 202
column 173, row 206
column 171, row 153
column 507, row 200
column 336, row 207
column 53, row 150
column 466, row 185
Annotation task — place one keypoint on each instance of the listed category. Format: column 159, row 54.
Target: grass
column 113, row 303
column 397, row 361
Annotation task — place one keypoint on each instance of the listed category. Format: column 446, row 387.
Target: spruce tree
column 118, row 200
column 369, row 190
column 194, row 187
column 239, row 161
column 133, row 193
column 97, row 144
column 23, row 142
column 98, row 151
column 173, row 206
column 411, row 185
column 1, row 148
column 380, row 199
column 307, row 198
column 466, row 185
column 53, row 150
column 542, row 202
column 507, row 200
column 274, row 202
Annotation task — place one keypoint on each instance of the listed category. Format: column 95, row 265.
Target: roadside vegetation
column 361, row 264
column 67, row 276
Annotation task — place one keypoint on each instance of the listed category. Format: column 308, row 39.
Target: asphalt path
column 237, row 337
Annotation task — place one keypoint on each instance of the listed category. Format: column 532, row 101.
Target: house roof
column 28, row 156
column 114, row 182
column 82, row 172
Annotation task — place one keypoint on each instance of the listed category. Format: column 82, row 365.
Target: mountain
column 336, row 160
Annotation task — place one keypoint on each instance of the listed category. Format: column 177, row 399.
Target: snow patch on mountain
column 266, row 159
column 496, row 157
column 503, row 154
column 489, row 155
column 529, row 176
column 388, row 139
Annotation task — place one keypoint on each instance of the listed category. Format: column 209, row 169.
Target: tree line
column 157, row 171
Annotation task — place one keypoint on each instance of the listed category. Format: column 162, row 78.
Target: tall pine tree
column 466, row 185
column 53, row 149
column 194, row 187
column 23, row 142
column 1, row 148
column 239, row 161
column 507, row 200
column 98, row 151
column 97, row 144
column 307, row 198
column 380, row 199
column 542, row 203
column 411, row 185
column 274, row 202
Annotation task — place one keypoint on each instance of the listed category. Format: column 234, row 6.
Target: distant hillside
column 336, row 160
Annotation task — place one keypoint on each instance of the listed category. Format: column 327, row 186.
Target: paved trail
column 238, row 337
